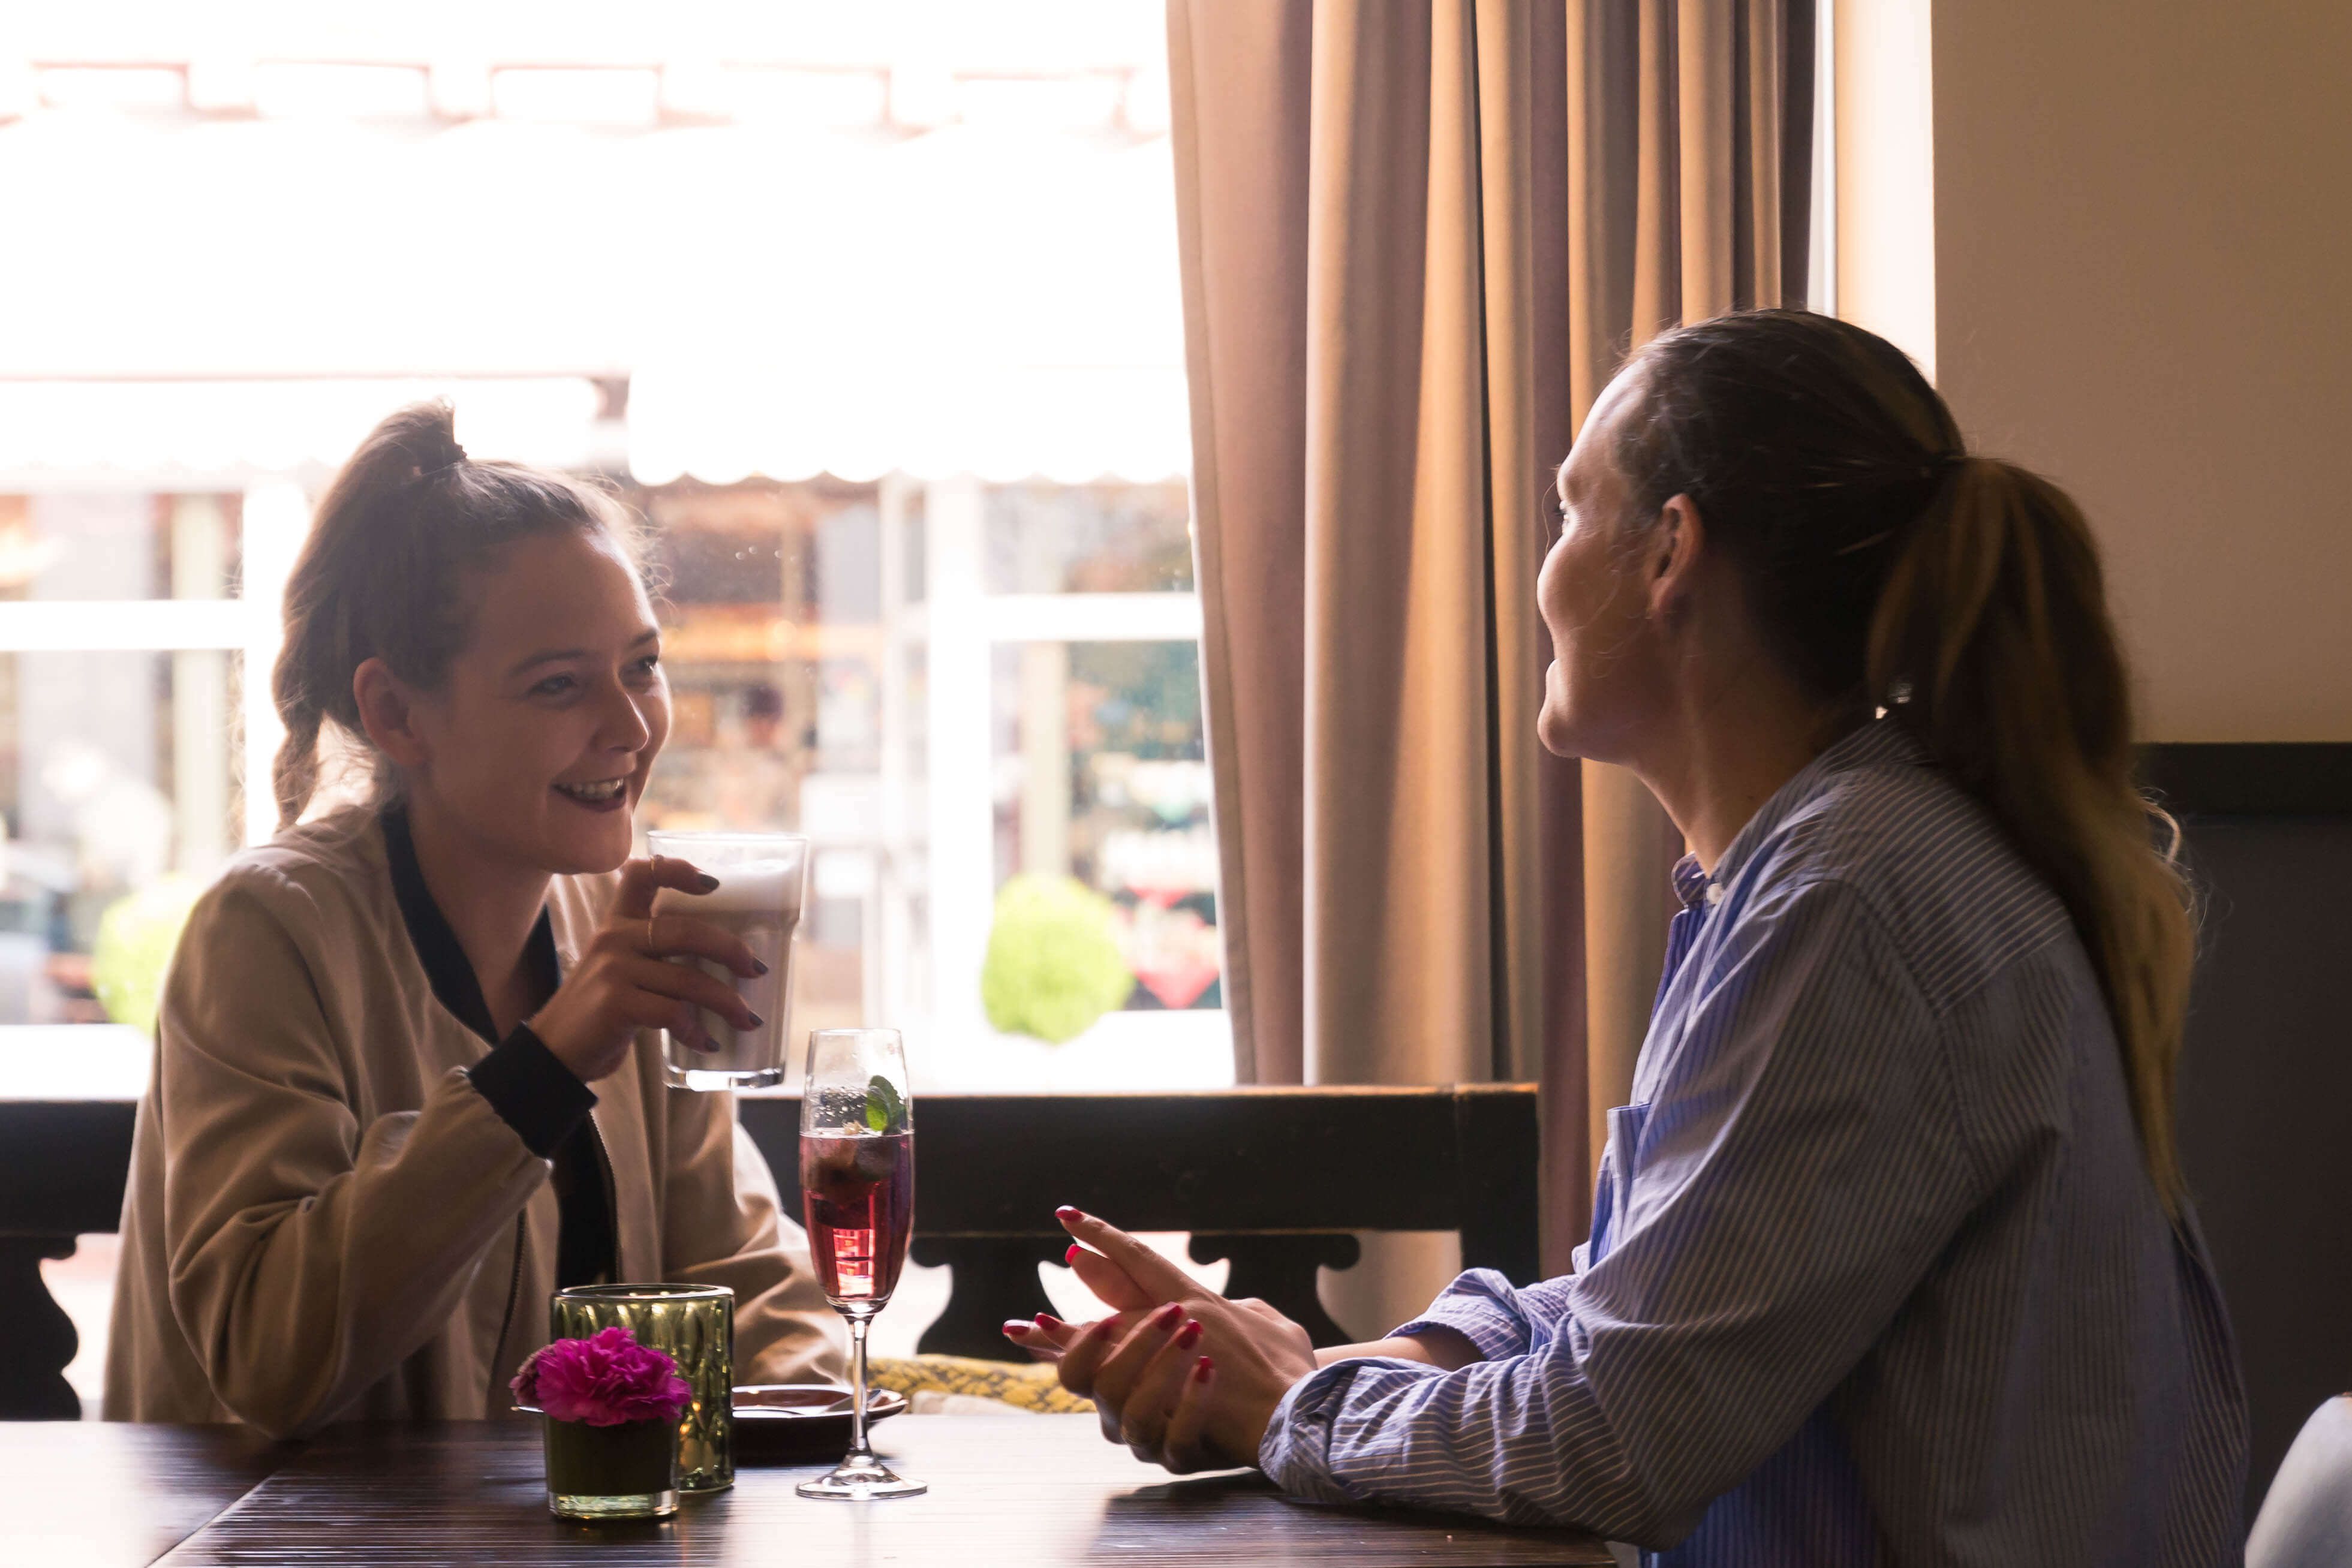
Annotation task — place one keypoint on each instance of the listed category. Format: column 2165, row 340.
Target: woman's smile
column 605, row 795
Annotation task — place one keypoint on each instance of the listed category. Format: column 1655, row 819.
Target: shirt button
column 1714, row 893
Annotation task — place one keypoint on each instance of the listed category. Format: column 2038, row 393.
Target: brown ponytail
column 1962, row 593
column 1993, row 631
column 382, row 575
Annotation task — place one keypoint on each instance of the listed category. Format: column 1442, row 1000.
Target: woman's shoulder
column 1933, row 869
column 330, row 870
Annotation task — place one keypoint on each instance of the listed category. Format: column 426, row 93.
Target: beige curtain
column 1417, row 235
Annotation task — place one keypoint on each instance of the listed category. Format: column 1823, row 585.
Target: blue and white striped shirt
column 1876, row 1274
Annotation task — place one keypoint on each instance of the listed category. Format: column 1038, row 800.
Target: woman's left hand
column 1190, row 1385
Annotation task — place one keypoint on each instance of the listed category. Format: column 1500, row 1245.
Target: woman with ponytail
column 405, row 1085
column 1891, row 1258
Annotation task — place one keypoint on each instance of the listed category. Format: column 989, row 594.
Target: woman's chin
column 593, row 847
column 1556, row 733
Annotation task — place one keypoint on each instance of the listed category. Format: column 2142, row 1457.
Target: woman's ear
column 388, row 713
column 1676, row 544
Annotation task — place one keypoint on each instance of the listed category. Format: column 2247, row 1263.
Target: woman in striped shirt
column 1891, row 1258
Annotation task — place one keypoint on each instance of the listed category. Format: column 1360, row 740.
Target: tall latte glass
column 762, row 880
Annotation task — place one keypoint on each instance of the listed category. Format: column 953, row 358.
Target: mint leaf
column 886, row 1109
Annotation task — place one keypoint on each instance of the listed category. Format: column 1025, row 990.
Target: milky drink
column 759, row 902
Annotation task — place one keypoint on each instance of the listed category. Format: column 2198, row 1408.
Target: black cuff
column 533, row 1091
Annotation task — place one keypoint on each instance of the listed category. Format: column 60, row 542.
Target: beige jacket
column 321, row 1222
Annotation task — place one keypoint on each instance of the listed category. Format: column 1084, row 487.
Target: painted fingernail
column 1072, row 1255
column 1066, row 1212
column 756, row 1019
column 705, row 883
column 1201, row 1368
column 1189, row 1335
column 1048, row 1321
column 1015, row 1327
column 757, row 968
column 1167, row 1316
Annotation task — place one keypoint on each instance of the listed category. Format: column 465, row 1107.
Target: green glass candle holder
column 694, row 1326
column 627, row 1472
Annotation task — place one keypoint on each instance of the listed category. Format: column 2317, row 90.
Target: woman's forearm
column 1438, row 1347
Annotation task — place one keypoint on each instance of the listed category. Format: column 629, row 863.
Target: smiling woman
column 371, row 1109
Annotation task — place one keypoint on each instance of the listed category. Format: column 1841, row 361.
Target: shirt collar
column 1692, row 885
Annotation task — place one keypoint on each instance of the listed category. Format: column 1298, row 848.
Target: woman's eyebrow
column 556, row 655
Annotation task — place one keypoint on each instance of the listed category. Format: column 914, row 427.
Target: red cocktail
column 857, row 1194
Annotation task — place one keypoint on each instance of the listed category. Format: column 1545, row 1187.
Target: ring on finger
column 651, row 945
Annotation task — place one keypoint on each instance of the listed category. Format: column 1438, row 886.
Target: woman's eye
column 644, row 668
column 553, row 686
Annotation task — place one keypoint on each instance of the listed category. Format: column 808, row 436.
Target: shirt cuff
column 532, row 1092
column 1482, row 1307
column 1296, row 1452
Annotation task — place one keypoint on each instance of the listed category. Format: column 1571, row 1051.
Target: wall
column 2142, row 211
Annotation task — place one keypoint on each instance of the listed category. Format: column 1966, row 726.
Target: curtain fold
column 1418, row 237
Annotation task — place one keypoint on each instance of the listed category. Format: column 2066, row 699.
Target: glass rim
column 815, row 1034
column 650, row 1293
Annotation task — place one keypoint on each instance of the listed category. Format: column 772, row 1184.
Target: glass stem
column 857, row 1449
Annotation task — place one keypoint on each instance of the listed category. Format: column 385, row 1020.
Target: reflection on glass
column 1103, row 796
column 1089, row 538
column 116, row 779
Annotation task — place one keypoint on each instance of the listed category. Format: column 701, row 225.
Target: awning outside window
column 216, row 296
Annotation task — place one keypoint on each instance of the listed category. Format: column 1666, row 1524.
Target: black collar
column 454, row 984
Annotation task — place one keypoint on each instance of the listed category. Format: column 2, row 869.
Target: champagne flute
column 857, row 1193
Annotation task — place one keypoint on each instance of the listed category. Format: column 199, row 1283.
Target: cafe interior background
column 875, row 312
column 872, row 313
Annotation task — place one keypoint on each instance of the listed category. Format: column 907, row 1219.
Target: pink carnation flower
column 603, row 1381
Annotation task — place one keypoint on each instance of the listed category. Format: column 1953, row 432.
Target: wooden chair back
column 1278, row 1180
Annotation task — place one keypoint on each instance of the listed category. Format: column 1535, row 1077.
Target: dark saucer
column 802, row 1423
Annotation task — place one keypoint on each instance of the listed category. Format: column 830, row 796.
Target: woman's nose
column 624, row 727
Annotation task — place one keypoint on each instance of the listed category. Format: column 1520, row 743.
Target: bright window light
column 113, row 86
column 577, row 97
column 353, row 92
column 830, row 100
column 1038, row 103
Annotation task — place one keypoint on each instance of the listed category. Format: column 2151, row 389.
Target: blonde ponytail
column 1992, row 638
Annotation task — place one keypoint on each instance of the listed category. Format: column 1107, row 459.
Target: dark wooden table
column 1029, row 1489
column 110, row 1495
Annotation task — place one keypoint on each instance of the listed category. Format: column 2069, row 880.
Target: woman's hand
column 1183, row 1376
column 623, row 982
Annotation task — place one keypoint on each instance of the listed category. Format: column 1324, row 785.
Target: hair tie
column 425, row 471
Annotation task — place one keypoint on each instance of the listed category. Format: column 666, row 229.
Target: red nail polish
column 1066, row 1212
column 1072, row 1255
column 1201, row 1368
column 1189, row 1335
column 1017, row 1327
column 1165, row 1318
column 1048, row 1321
